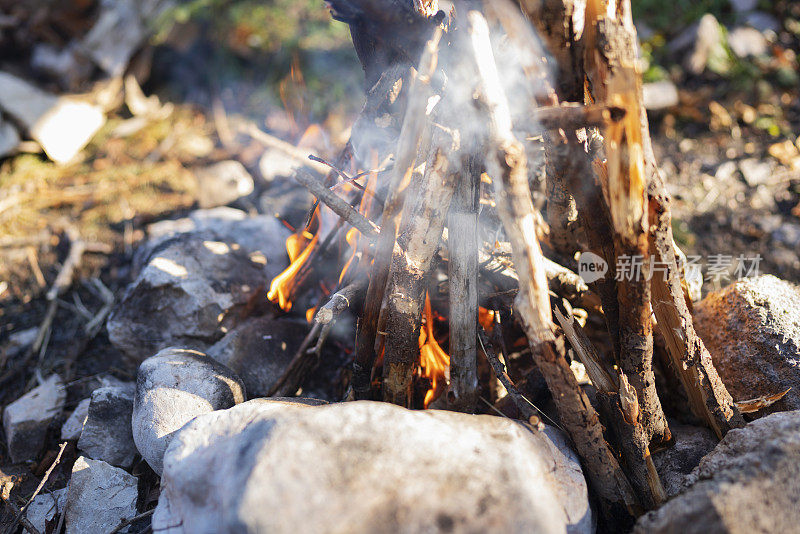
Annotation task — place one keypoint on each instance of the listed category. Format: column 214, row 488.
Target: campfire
column 425, row 228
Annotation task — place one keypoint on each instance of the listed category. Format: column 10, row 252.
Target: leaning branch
column 337, row 204
column 533, row 305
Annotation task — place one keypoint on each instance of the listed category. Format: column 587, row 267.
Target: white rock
column 9, row 138
column 747, row 42
column 743, row 5
column 660, row 95
column 61, row 125
column 73, row 426
column 366, row 467
column 107, row 433
column 222, row 183
column 173, row 387
column 100, row 496
column 20, row 340
column 45, row 508
column 275, row 164
column 25, row 420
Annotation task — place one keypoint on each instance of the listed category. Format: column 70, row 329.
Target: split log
column 532, row 304
column 709, row 399
column 405, row 158
column 611, row 50
column 405, row 293
column 462, row 274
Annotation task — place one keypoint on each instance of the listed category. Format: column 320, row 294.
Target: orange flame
column 433, row 361
column 486, row 318
column 281, row 287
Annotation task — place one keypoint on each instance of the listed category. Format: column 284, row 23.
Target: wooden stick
column 407, row 148
column 288, row 149
column 341, row 300
column 571, row 116
column 462, row 273
column 618, row 405
column 419, row 238
column 336, row 203
column 529, row 413
column 532, row 304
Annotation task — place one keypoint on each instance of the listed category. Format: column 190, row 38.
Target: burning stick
column 419, row 239
column 336, row 203
column 462, row 273
column 407, row 148
column 533, row 305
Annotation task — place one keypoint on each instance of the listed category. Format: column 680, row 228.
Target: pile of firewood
column 451, row 95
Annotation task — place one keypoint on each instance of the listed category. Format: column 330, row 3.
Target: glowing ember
column 310, row 313
column 433, row 361
column 486, row 318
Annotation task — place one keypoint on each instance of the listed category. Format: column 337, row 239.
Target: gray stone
column 743, row 5
column 788, row 234
column 61, row 125
column 749, row 483
column 173, row 387
column 222, row 183
column 752, row 330
column 9, row 138
column 367, row 467
column 73, row 426
column 19, row 341
column 660, row 95
column 99, row 497
column 192, row 290
column 763, row 22
column 675, row 463
column 121, row 28
column 259, row 350
column 747, row 42
column 43, row 510
column 26, row 420
column 262, row 237
column 107, row 432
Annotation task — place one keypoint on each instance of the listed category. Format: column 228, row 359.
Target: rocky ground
column 146, row 395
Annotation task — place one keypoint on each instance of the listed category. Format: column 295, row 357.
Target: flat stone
column 752, row 330
column 173, row 387
column 222, row 183
column 107, row 432
column 367, row 467
column 749, row 483
column 61, row 125
column 99, row 497
column 259, row 350
column 45, row 508
column 73, row 426
column 26, row 420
